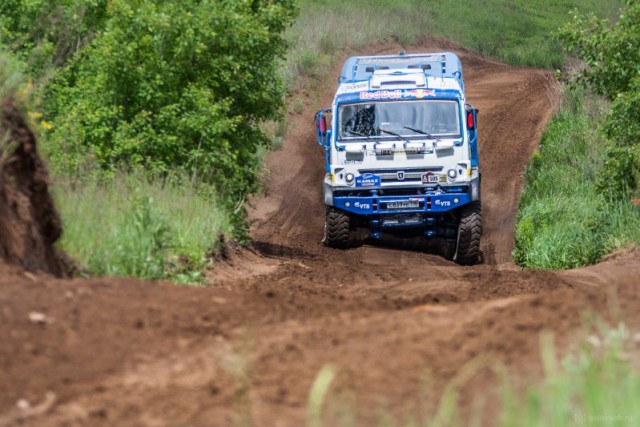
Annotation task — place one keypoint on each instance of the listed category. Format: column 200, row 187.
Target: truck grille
column 411, row 175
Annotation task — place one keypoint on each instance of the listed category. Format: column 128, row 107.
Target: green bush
column 612, row 53
column 46, row 33
column 173, row 85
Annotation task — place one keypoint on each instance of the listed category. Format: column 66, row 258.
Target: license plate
column 403, row 205
column 430, row 178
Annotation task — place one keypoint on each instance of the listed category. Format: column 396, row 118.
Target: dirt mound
column 29, row 222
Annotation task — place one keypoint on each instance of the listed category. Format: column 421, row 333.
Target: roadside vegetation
column 164, row 228
column 576, row 206
column 563, row 221
column 597, row 384
column 152, row 116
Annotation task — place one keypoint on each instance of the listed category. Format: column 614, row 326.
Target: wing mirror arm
column 322, row 132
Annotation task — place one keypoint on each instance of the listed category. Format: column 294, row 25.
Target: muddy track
column 398, row 323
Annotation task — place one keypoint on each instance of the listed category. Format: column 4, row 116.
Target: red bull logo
column 397, row 94
column 382, row 94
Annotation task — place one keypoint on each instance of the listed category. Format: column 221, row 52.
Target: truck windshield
column 390, row 119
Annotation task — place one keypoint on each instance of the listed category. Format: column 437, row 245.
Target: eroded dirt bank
column 396, row 323
column 29, row 223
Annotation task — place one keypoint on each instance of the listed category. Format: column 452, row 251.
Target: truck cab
column 401, row 153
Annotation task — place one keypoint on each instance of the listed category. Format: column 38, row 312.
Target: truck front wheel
column 469, row 232
column 336, row 229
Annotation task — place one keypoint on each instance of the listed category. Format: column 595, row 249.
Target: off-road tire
column 469, row 233
column 336, row 229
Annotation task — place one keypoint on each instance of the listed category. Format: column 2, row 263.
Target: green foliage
column 131, row 225
column 11, row 79
column 595, row 385
column 46, row 33
column 174, row 85
column 562, row 221
column 612, row 53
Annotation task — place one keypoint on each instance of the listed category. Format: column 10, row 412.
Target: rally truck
column 401, row 153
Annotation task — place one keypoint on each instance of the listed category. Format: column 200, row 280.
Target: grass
column 596, row 385
column 517, row 32
column 134, row 226
column 562, row 221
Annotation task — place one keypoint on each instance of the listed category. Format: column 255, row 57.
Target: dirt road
column 397, row 324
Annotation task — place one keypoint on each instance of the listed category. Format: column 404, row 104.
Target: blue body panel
column 376, row 205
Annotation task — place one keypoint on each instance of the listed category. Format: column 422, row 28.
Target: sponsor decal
column 362, row 205
column 353, row 87
column 430, row 178
column 419, row 93
column 440, row 83
column 443, row 203
column 397, row 94
column 368, row 180
column 389, row 94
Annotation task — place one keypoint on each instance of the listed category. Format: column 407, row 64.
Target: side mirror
column 322, row 125
column 322, row 132
column 471, row 117
column 471, row 122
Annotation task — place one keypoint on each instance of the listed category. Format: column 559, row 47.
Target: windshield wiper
column 422, row 132
column 394, row 134
column 353, row 132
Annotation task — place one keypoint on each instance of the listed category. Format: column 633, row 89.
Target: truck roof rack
column 440, row 64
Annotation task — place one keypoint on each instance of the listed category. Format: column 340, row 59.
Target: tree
column 172, row 85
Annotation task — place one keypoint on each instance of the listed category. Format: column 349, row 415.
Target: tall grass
column 562, row 221
column 135, row 226
column 595, row 385
column 518, row 32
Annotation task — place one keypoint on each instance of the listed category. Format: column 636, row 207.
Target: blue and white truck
column 401, row 153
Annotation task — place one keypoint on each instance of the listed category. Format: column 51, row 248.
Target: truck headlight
column 349, row 178
column 452, row 174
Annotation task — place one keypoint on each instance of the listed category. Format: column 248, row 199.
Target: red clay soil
column 398, row 324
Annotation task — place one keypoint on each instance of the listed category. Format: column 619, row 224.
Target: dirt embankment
column 399, row 325
column 29, row 222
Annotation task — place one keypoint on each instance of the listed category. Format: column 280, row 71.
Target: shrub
column 612, row 53
column 174, row 85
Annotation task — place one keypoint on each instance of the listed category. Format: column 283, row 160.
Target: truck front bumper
column 429, row 213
